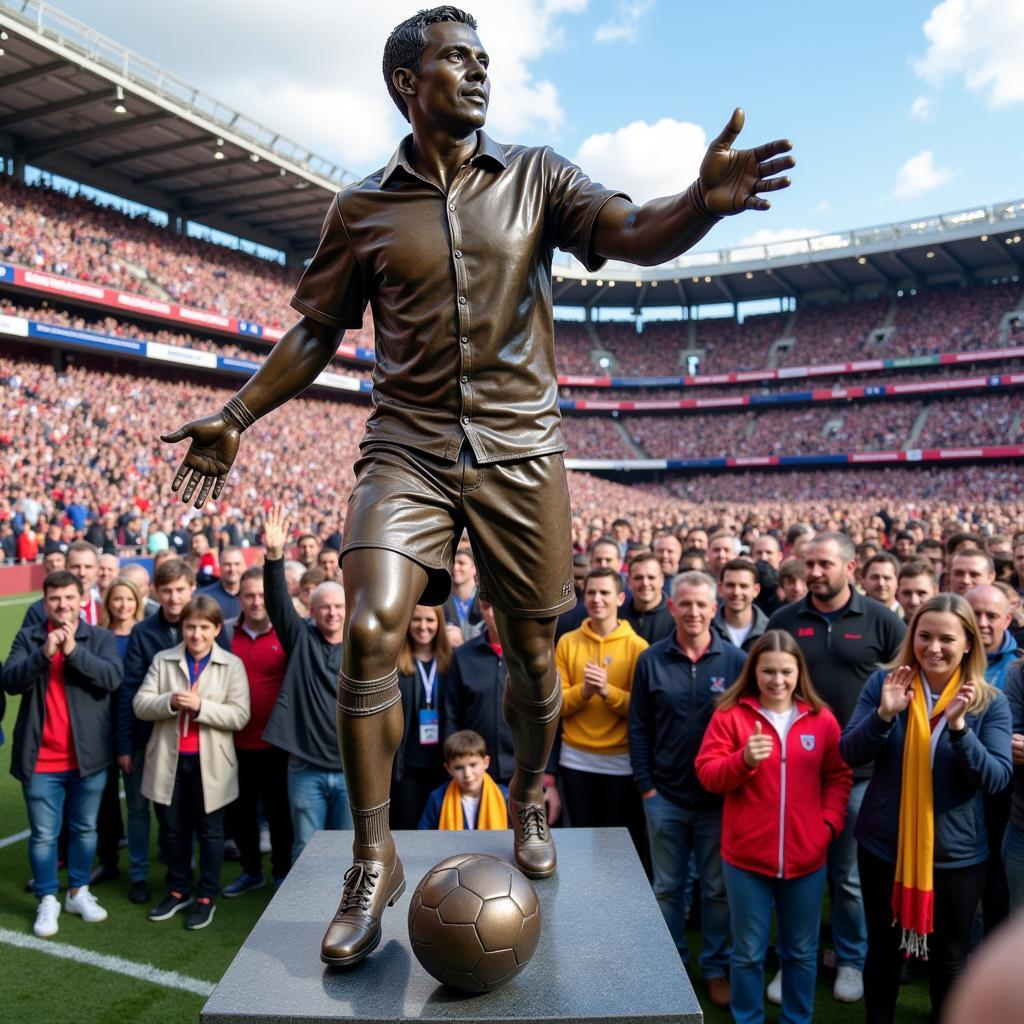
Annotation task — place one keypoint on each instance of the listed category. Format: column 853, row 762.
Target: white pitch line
column 10, row 602
column 130, row 969
column 16, row 838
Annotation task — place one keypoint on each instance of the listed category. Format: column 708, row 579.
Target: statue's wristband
column 699, row 205
column 236, row 412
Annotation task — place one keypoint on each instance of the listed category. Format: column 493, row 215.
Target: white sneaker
column 85, row 905
column 849, row 986
column 46, row 917
column 265, row 845
column 775, row 989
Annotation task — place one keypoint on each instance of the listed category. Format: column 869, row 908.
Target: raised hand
column 208, row 459
column 897, row 693
column 276, row 531
column 758, row 748
column 730, row 179
column 956, row 709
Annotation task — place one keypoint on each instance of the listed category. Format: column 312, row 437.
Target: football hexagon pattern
column 474, row 922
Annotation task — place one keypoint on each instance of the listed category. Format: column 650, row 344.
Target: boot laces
column 358, row 888
column 533, row 821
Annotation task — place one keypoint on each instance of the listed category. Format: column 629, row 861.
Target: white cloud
column 313, row 72
column 921, row 108
column 919, row 174
column 624, row 25
column 645, row 160
column 981, row 41
column 766, row 236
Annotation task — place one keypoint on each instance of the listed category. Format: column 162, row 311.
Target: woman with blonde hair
column 122, row 608
column 939, row 736
column 772, row 749
column 422, row 677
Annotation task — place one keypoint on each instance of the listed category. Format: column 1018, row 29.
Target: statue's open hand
column 208, row 460
column 730, row 179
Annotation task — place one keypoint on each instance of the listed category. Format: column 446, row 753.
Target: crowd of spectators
column 89, row 438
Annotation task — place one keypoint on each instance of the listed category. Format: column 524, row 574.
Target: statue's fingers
column 183, row 471
column 771, row 184
column 190, row 487
column 769, row 167
column 728, row 134
column 219, row 486
column 174, row 436
column 204, row 492
column 753, row 202
column 770, row 149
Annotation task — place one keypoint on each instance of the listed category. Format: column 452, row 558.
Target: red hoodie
column 774, row 820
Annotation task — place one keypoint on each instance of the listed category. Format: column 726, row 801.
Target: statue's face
column 452, row 88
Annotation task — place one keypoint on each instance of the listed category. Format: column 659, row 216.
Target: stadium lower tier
column 88, row 435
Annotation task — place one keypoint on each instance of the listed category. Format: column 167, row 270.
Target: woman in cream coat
column 197, row 694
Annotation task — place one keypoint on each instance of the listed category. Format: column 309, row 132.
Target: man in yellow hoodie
column 595, row 664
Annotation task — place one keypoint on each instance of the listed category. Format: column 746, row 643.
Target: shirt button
column 462, row 300
column 451, row 206
column 465, row 419
column 465, row 380
column 464, row 340
column 458, row 254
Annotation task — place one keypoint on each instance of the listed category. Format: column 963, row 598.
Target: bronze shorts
column 516, row 513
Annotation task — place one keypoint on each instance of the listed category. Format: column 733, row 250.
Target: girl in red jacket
column 772, row 748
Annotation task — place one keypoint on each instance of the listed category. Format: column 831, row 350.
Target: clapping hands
column 897, row 693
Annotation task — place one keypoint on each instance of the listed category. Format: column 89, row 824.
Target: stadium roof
column 75, row 103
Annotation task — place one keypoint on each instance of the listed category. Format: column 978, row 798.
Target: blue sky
column 895, row 109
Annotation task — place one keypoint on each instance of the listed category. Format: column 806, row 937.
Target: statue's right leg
column 381, row 590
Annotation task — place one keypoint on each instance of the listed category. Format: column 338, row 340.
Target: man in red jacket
column 262, row 768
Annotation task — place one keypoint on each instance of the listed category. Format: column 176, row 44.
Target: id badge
column 429, row 728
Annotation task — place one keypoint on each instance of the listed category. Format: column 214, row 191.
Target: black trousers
column 957, row 894
column 262, row 779
column 409, row 797
column 606, row 801
column 109, row 824
column 184, row 816
column 995, row 900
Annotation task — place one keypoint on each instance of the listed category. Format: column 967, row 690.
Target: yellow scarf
column 493, row 812
column 912, row 895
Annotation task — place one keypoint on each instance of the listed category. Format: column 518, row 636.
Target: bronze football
column 474, row 922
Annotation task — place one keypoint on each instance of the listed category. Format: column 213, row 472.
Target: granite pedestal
column 605, row 954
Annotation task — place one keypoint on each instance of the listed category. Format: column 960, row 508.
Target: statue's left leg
column 532, row 705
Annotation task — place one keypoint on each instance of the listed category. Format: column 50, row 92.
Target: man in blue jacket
column 675, row 685
column 66, row 671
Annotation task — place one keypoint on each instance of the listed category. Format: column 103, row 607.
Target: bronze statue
column 451, row 245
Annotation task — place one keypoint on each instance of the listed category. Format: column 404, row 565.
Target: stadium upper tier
column 51, row 233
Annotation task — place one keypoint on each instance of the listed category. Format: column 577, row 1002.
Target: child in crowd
column 472, row 800
column 197, row 695
column 772, row 749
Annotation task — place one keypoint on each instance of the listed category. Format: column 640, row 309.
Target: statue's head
column 435, row 68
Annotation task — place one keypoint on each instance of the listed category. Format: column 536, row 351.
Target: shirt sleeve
column 573, row 203
column 332, row 290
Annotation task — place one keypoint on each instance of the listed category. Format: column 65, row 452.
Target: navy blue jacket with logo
column 669, row 710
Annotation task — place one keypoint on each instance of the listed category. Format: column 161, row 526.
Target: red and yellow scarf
column 492, row 814
column 913, row 899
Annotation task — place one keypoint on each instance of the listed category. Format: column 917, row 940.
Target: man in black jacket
column 174, row 582
column 473, row 700
column 65, row 671
column 845, row 637
column 675, row 685
column 303, row 719
column 647, row 608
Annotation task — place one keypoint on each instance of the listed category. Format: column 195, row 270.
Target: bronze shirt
column 460, row 289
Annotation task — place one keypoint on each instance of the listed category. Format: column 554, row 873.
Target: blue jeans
column 797, row 903
column 674, row 832
column 138, row 819
column 319, row 799
column 1013, row 861
column 849, row 930
column 45, row 795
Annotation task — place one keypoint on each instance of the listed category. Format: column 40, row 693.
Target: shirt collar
column 486, row 150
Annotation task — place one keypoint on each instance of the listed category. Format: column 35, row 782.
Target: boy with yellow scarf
column 472, row 800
